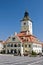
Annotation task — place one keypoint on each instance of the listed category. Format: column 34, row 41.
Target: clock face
column 24, row 27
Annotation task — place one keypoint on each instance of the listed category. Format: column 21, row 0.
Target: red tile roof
column 24, row 37
column 42, row 44
column 27, row 38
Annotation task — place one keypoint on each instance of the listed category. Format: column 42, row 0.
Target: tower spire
column 26, row 16
column 26, row 23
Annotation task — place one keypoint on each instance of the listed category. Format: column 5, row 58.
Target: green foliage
column 34, row 53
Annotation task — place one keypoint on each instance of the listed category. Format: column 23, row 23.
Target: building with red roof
column 25, row 41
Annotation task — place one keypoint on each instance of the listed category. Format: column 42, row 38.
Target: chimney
column 27, row 33
column 15, row 33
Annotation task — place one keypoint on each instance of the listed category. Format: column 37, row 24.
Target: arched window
column 8, row 45
column 7, row 51
column 18, row 51
column 15, row 45
column 19, row 45
column 11, row 51
column 24, row 23
column 11, row 45
column 15, row 51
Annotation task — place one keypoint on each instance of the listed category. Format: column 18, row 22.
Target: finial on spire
column 26, row 13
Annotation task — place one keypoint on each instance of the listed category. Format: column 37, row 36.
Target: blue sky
column 12, row 11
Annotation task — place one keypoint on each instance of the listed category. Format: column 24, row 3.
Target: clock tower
column 26, row 23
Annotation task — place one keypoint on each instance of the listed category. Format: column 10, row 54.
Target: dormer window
column 22, row 38
column 25, row 45
column 29, row 45
column 13, row 39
